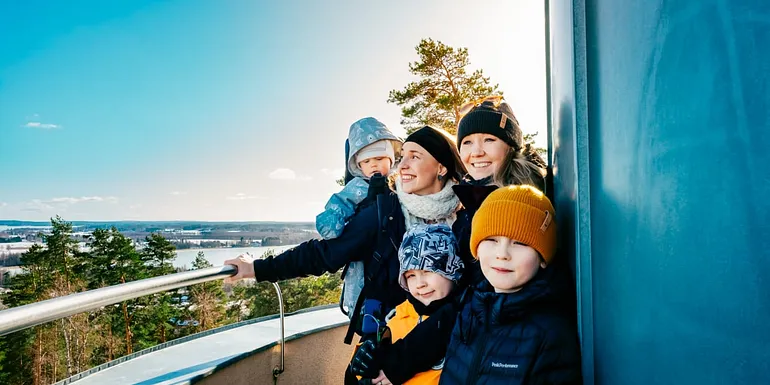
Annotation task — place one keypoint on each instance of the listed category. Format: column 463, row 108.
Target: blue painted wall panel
column 569, row 157
column 677, row 110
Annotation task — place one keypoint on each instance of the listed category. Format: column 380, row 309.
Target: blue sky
column 222, row 110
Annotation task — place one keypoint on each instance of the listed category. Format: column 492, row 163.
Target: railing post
column 280, row 368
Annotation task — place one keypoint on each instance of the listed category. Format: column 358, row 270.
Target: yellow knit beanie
column 521, row 213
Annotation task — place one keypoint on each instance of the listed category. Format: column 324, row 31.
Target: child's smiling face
column 427, row 286
column 507, row 264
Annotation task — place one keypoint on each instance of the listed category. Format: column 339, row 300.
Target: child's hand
column 364, row 363
column 381, row 380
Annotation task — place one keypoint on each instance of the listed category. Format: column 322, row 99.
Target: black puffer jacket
column 471, row 195
column 518, row 338
column 372, row 235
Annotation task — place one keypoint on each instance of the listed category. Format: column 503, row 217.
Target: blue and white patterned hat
column 365, row 132
column 432, row 248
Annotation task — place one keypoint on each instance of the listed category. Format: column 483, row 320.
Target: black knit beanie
column 486, row 119
column 440, row 148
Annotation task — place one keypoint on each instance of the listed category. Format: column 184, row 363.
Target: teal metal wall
column 660, row 123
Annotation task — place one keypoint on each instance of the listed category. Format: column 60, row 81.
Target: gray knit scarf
column 434, row 208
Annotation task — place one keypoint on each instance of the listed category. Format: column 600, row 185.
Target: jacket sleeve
column 316, row 257
column 340, row 207
column 558, row 360
column 425, row 346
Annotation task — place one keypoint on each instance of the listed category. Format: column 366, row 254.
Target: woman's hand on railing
column 245, row 265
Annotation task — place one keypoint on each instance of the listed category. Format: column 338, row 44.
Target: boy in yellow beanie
column 512, row 329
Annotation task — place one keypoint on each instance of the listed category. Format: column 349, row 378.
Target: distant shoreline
column 230, row 248
column 16, row 223
column 188, row 254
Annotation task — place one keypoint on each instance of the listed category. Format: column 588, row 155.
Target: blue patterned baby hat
column 365, row 132
column 432, row 248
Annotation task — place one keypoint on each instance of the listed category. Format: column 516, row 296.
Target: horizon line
column 2, row 221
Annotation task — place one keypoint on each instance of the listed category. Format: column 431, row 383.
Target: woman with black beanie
column 430, row 166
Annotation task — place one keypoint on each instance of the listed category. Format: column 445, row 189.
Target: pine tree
column 158, row 257
column 207, row 299
column 444, row 85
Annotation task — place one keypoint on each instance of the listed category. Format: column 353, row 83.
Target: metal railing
column 27, row 316
column 278, row 370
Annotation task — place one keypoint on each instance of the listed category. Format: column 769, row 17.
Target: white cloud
column 3, row 204
column 37, row 205
column 177, row 193
column 69, row 200
column 45, row 126
column 134, row 207
column 243, row 197
column 60, row 205
column 74, row 200
column 335, row 172
column 283, row 174
column 287, row 174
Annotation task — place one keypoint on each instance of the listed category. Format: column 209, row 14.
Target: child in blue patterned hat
column 429, row 271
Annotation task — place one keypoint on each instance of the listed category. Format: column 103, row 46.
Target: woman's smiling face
column 419, row 171
column 482, row 154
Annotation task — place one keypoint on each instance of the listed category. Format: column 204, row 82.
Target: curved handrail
column 23, row 317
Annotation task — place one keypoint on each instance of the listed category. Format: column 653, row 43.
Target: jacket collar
column 493, row 308
column 430, row 308
column 471, row 196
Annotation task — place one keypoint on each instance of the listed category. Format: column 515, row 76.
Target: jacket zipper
column 474, row 370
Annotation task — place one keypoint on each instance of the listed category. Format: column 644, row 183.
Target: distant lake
column 218, row 256
column 183, row 257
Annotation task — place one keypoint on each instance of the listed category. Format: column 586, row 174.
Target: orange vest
column 400, row 325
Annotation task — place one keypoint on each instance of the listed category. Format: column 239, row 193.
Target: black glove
column 365, row 363
column 378, row 184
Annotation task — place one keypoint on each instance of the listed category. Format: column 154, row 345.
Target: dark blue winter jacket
column 517, row 338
